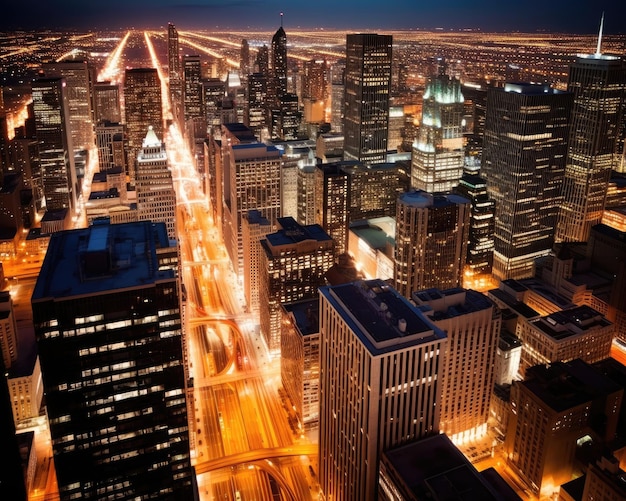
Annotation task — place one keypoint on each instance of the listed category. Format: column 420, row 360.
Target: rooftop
column 383, row 320
column 305, row 314
column 572, row 322
column 102, row 258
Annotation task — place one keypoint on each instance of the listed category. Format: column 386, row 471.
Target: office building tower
column 300, row 358
column 524, row 153
column 475, row 95
column 552, row 409
column 293, row 263
column 332, row 192
column 279, row 63
column 244, row 60
column 508, row 357
column 106, row 312
column 579, row 332
column 367, row 405
column 156, row 198
column 605, row 479
column 482, row 224
column 256, row 114
column 254, row 228
column 106, row 103
column 438, row 152
column 287, row 118
column 306, row 193
column 433, row 468
column 8, row 330
column 111, row 145
column 598, row 83
column 142, row 109
column 175, row 73
column 252, row 178
column 192, row 89
column 337, row 89
column 366, row 97
column 374, row 190
column 472, row 323
column 78, row 79
column 50, row 108
column 262, row 61
column 431, row 241
column 315, row 80
column 213, row 96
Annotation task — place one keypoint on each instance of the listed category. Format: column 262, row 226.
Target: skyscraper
column 50, row 106
column 293, row 263
column 175, row 74
column 78, row 78
column 366, row 97
column 192, row 90
column 244, row 60
column 142, row 109
column 106, row 312
column 279, row 62
column 598, row 83
column 525, row 146
column 156, row 198
column 385, row 393
column 472, row 323
column 431, row 241
column 438, row 152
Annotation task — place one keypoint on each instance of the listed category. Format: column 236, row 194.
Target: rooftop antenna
column 281, row 19
column 598, row 53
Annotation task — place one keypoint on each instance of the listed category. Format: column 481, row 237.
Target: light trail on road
column 111, row 70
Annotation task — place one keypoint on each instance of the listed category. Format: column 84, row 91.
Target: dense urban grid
column 312, row 265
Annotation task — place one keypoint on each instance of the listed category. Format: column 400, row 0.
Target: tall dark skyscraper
column 279, row 62
column 175, row 72
column 106, row 312
column 192, row 97
column 142, row 97
column 367, row 90
column 525, row 147
column 52, row 125
column 598, row 82
column 244, row 60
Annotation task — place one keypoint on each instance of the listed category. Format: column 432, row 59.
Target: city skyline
column 483, row 15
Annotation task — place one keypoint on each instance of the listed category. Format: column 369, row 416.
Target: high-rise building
column 438, row 152
column 106, row 312
column 366, row 97
column 431, row 241
column 367, row 405
column 279, row 63
column 256, row 114
column 192, row 90
column 244, row 60
column 482, row 224
column 552, row 409
column 254, row 228
column 50, row 106
column 252, row 178
column 598, row 83
column 106, row 102
column 262, row 61
column 524, row 153
column 111, row 144
column 337, row 89
column 78, row 78
column 175, row 74
column 472, row 323
column 315, row 80
column 142, row 109
column 293, row 263
column 213, row 96
column 156, row 198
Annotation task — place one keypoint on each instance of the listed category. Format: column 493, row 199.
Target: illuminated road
column 239, row 423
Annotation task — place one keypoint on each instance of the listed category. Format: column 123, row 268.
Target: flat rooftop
column 102, row 258
column 306, row 315
column 383, row 320
column 564, row 324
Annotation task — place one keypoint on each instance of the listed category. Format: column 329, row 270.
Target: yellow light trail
column 186, row 41
column 111, row 70
column 165, row 95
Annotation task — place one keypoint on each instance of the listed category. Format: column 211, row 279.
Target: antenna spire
column 281, row 19
column 598, row 53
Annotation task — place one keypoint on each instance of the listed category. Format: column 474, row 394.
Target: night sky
column 574, row 16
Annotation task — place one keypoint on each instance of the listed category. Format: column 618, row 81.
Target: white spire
column 151, row 139
column 598, row 52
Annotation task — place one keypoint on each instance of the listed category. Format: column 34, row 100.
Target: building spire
column 599, row 46
column 281, row 19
